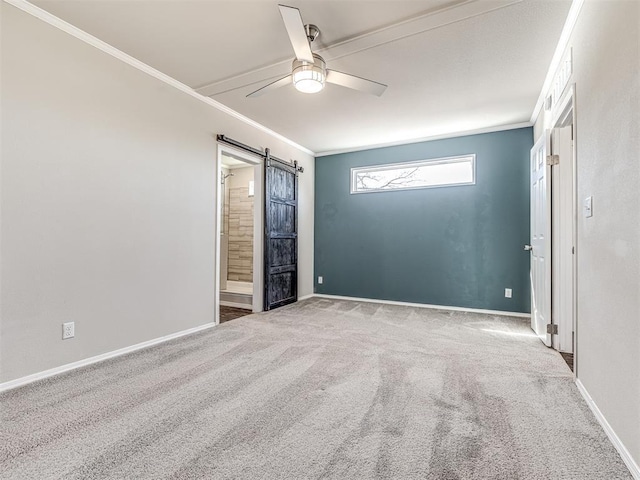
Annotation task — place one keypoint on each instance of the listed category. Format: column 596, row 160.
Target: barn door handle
column 528, row 248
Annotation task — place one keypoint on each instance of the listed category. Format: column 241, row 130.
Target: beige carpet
column 319, row 389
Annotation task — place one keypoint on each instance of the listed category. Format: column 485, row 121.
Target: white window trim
column 391, row 166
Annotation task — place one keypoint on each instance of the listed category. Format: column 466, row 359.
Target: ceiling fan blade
column 271, row 86
column 297, row 34
column 356, row 83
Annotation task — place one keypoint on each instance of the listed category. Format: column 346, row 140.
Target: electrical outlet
column 320, row 280
column 507, row 293
column 68, row 330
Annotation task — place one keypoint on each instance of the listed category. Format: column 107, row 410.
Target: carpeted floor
column 318, row 389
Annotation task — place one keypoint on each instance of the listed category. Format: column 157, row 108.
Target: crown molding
column 498, row 128
column 66, row 27
column 558, row 54
column 453, row 13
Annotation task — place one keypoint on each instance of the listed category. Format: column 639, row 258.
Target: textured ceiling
column 451, row 66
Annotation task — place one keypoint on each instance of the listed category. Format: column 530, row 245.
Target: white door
column 540, row 240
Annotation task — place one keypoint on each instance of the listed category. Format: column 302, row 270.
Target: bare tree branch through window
column 424, row 174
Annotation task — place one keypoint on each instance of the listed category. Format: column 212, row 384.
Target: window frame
column 353, row 190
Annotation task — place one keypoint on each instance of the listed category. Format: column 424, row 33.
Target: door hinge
column 552, row 329
column 553, row 160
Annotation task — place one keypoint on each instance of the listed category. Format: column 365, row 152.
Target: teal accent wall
column 454, row 246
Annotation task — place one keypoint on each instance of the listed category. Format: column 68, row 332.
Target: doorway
column 563, row 227
column 553, row 231
column 239, row 258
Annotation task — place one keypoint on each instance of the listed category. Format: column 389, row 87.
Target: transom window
column 438, row 172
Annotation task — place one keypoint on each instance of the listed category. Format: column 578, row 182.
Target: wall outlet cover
column 320, row 280
column 68, row 330
column 507, row 293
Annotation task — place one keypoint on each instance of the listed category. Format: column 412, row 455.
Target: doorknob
column 528, row 248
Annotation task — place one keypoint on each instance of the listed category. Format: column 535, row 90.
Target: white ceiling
column 229, row 161
column 451, row 65
column 232, row 162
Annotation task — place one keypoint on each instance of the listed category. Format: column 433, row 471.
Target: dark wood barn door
column 281, row 234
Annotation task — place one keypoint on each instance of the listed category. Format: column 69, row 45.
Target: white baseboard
column 98, row 358
column 617, row 443
column 425, row 305
column 19, row 382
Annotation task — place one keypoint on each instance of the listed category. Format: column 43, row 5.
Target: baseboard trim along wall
column 19, row 382
column 617, row 443
column 425, row 305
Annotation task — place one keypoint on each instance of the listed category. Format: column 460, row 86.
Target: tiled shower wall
column 240, row 235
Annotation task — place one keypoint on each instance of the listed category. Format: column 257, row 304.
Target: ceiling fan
column 309, row 72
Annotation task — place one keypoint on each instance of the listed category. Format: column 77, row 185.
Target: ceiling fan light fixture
column 308, row 81
column 309, row 71
column 309, row 77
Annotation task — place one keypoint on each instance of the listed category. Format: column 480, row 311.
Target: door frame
column 258, row 225
column 564, row 114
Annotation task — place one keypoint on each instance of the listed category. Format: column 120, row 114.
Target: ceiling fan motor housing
column 312, row 31
column 309, row 71
column 309, row 77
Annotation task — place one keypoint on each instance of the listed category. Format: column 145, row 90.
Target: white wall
column 606, row 56
column 107, row 200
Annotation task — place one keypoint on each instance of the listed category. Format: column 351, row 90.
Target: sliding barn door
column 281, row 234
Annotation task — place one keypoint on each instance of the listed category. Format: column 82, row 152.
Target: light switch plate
column 588, row 207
